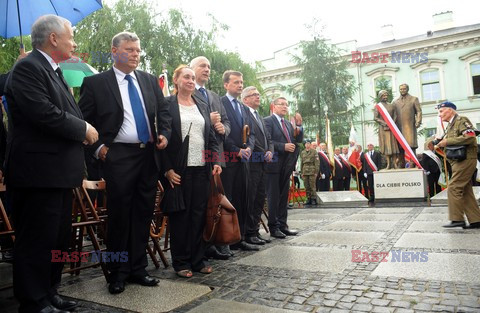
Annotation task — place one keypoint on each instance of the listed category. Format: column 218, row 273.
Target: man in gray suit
column 218, row 116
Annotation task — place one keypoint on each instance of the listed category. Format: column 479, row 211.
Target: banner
column 354, row 160
column 398, row 135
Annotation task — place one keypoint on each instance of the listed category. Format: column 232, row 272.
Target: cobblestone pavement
column 327, row 280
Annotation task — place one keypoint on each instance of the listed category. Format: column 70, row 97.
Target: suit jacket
column 283, row 160
column 46, row 128
column 214, row 104
column 102, row 105
column 170, row 153
column 376, row 158
column 429, row 164
column 233, row 142
column 262, row 139
column 409, row 112
column 3, row 81
column 325, row 167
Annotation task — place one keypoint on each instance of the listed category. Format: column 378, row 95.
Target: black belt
column 139, row 145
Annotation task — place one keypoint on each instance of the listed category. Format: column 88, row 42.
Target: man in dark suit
column 362, row 183
column 347, row 169
column 45, row 161
column 219, row 119
column 285, row 141
column 338, row 172
column 129, row 110
column 325, row 173
column 370, row 163
column 432, row 165
column 262, row 154
column 235, row 175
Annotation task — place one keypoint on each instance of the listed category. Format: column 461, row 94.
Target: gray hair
column 44, row 26
column 382, row 92
column 406, row 85
column 246, row 91
column 194, row 63
column 128, row 36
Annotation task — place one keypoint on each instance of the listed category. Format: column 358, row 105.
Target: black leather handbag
column 457, row 153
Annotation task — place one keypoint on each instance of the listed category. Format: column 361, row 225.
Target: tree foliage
column 327, row 88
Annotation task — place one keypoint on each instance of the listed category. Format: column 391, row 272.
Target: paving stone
column 363, row 300
column 298, row 307
column 380, row 302
column 394, row 297
column 333, row 296
column 373, row 295
column 348, row 299
column 400, row 304
column 452, row 302
column 423, row 307
column 404, row 311
column 329, row 303
column 379, row 309
column 339, row 311
column 470, row 303
column 362, row 307
column 442, row 308
column 297, row 300
column 345, row 305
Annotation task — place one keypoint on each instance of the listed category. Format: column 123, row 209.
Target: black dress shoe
column 242, row 245
column 455, row 224
column 213, row 253
column 277, row 234
column 52, row 309
column 308, row 202
column 314, row 202
column 264, row 239
column 225, row 249
column 472, row 226
column 63, row 304
column 289, row 232
column 254, row 240
column 116, row 287
column 144, row 280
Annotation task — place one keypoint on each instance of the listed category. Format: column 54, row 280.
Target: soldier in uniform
column 309, row 168
column 409, row 118
column 461, row 200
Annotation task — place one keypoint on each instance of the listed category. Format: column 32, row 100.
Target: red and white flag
column 398, row 135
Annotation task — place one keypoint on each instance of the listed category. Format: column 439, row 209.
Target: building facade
column 442, row 64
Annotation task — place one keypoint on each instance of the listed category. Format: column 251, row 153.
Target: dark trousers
column 256, row 200
column 235, row 187
column 186, row 227
column 433, row 186
column 371, row 187
column 346, row 183
column 323, row 184
column 362, row 184
column 338, row 184
column 296, row 181
column 277, row 194
column 131, row 176
column 43, row 222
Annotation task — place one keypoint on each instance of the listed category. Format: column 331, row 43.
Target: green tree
column 327, row 87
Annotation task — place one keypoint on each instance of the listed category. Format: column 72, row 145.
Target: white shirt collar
column 278, row 117
column 121, row 75
column 197, row 86
column 230, row 97
column 49, row 59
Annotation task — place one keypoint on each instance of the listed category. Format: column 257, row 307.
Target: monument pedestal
column 400, row 185
column 441, row 199
column 341, row 199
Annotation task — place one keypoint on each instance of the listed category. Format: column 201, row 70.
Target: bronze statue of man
column 409, row 118
column 386, row 140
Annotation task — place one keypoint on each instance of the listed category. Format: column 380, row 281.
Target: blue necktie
column 204, row 93
column 237, row 110
column 138, row 112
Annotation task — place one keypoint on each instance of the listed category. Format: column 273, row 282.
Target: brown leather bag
column 221, row 227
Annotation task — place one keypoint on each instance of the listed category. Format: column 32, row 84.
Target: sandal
column 206, row 270
column 185, row 273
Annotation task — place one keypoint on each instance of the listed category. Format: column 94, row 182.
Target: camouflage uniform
column 461, row 199
column 310, row 167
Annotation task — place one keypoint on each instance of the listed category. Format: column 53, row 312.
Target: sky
column 258, row 28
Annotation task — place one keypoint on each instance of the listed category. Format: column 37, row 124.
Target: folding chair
column 158, row 228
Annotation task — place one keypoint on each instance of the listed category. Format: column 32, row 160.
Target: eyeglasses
column 253, row 95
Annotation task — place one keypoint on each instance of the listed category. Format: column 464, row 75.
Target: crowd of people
column 126, row 127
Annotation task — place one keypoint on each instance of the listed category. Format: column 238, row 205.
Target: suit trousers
column 256, row 198
column 186, row 227
column 433, row 186
column 131, row 178
column 461, row 199
column 371, row 187
column 346, row 182
column 338, row 184
column 235, row 185
column 277, row 193
column 323, row 184
column 43, row 222
column 362, row 184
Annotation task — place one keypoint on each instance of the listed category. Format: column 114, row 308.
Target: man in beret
column 461, row 200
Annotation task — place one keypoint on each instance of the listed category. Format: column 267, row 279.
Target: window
column 429, row 132
column 430, row 80
column 475, row 72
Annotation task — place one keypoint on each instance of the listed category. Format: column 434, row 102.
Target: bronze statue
column 387, row 142
column 409, row 118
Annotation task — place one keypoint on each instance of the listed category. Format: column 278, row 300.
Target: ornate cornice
column 382, row 70
column 470, row 56
column 429, row 63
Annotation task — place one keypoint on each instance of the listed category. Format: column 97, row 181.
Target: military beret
column 447, row 104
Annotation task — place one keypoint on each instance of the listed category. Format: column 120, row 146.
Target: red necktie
column 285, row 131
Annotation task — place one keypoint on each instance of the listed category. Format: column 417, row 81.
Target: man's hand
column 102, row 154
column 268, row 156
column 245, row 153
column 219, row 128
column 92, row 135
column 290, row 147
column 217, row 170
column 162, row 142
column 323, row 176
column 442, row 143
column 173, row 178
column 365, row 175
column 215, row 117
column 298, row 119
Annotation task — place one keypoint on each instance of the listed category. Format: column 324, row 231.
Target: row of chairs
column 89, row 217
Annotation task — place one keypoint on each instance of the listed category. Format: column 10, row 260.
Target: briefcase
column 221, row 226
